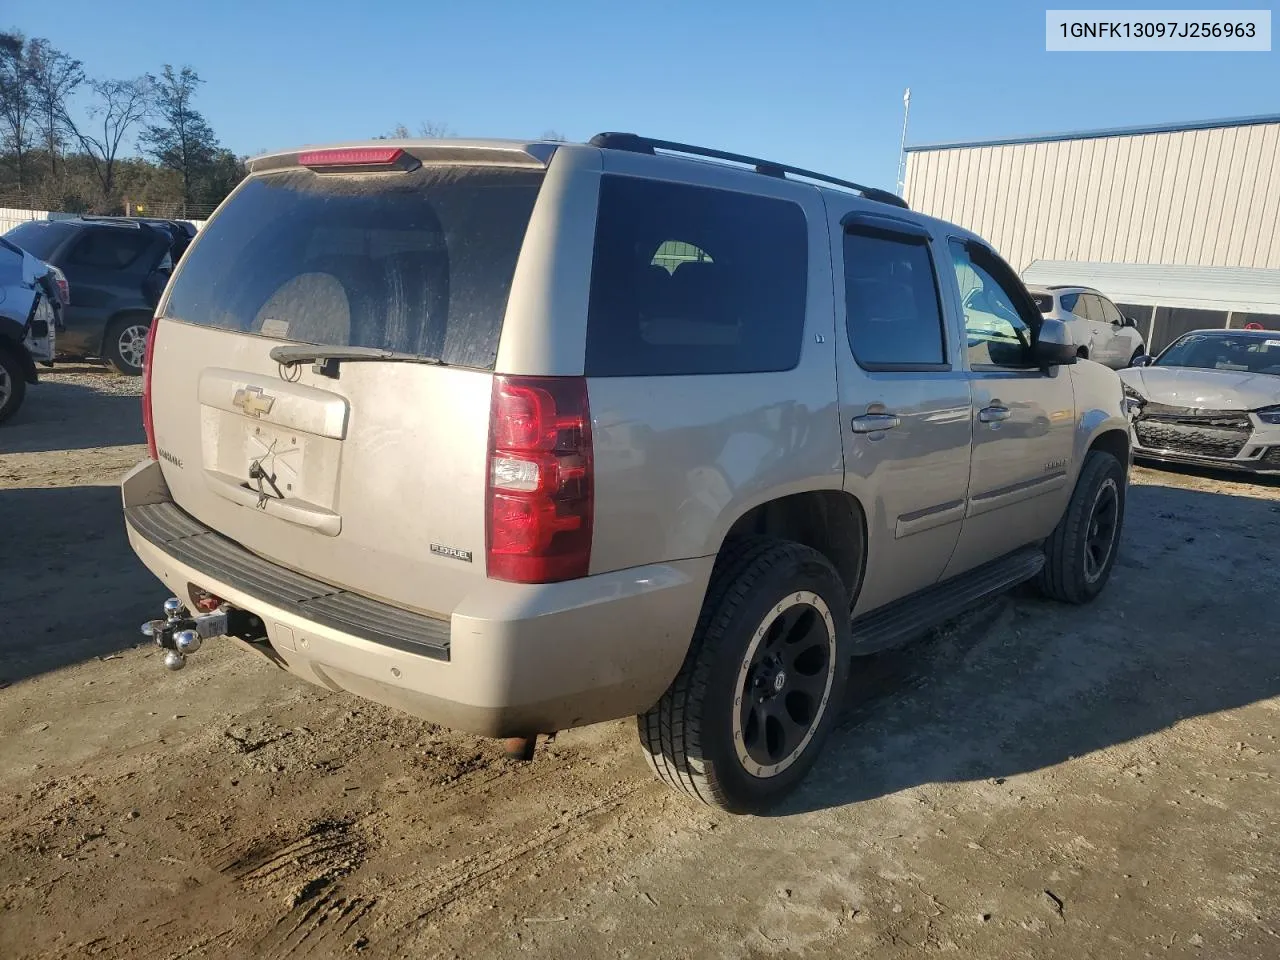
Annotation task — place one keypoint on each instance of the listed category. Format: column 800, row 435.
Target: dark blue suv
column 115, row 268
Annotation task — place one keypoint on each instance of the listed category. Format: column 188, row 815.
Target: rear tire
column 1081, row 551
column 124, row 345
column 13, row 384
column 758, row 693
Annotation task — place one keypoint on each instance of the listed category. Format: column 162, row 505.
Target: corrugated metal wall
column 1208, row 197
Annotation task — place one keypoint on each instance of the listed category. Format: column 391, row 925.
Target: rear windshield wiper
column 325, row 360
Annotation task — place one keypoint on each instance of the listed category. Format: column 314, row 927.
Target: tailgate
column 368, row 474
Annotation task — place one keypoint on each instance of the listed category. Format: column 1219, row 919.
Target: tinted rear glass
column 891, row 299
column 109, row 248
column 1044, row 302
column 415, row 262
column 694, row 280
column 40, row 237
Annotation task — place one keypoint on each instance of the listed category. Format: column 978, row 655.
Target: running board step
column 905, row 619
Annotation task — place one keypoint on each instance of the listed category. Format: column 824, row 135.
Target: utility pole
column 902, row 149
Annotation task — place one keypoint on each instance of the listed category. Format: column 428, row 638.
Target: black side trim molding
column 190, row 542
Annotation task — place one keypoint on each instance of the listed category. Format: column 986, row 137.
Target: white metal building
column 1179, row 224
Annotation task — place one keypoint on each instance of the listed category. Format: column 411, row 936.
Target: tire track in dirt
column 419, row 900
column 341, row 886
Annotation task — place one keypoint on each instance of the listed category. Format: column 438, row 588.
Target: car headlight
column 1133, row 400
column 1269, row 415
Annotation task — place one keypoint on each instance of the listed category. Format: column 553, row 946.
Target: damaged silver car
column 1211, row 398
column 29, row 301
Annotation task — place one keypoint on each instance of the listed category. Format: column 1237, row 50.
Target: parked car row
column 114, row 270
column 462, row 437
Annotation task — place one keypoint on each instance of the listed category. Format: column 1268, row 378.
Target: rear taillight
column 541, row 489
column 148, row 422
column 64, row 288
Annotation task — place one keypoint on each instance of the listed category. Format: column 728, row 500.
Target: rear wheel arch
column 832, row 522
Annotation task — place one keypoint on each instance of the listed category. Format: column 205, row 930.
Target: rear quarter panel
column 680, row 458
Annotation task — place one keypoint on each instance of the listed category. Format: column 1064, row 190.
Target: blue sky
column 811, row 83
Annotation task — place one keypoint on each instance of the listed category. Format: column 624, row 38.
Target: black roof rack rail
column 634, row 143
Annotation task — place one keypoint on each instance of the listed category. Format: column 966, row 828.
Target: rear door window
column 109, row 248
column 892, row 308
column 694, row 280
column 417, row 262
column 1110, row 313
column 1092, row 307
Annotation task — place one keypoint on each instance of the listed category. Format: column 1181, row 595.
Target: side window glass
column 1109, row 312
column 1081, row 307
column 109, row 249
column 996, row 334
column 694, row 280
column 891, row 300
column 1094, row 307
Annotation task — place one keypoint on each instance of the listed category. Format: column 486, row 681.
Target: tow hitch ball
column 181, row 634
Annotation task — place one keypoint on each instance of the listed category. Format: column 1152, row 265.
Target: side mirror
column 1054, row 346
column 1129, row 322
column 1142, row 360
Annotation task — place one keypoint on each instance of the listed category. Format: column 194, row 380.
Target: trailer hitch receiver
column 182, row 633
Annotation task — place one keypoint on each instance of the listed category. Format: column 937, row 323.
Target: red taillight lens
column 541, row 492
column 355, row 159
column 148, row 423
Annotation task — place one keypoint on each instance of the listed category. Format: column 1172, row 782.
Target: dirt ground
column 1032, row 781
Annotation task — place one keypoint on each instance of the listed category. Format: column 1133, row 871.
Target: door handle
column 874, row 422
column 994, row 414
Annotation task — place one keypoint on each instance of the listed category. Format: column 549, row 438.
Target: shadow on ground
column 62, row 414
column 70, row 586
column 1187, row 627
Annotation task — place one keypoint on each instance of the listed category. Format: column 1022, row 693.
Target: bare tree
column 427, row 129
column 118, row 107
column 433, row 130
column 54, row 78
column 553, row 135
column 183, row 140
column 15, row 100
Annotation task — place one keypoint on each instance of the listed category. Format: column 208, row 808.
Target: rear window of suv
column 694, row 280
column 418, row 262
column 40, row 238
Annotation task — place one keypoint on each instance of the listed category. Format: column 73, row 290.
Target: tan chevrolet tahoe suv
column 520, row 436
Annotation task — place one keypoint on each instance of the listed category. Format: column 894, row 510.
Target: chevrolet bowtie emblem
column 253, row 401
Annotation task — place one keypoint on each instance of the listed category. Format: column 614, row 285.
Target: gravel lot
column 1032, row 781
